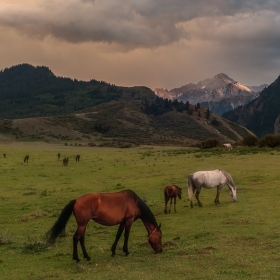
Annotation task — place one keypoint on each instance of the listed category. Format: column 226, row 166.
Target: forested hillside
column 28, row 91
column 262, row 114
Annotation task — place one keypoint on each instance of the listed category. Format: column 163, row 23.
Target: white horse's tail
column 190, row 189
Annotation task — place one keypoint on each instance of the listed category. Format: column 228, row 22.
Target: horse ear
column 159, row 226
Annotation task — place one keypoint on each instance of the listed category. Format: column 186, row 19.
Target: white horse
column 227, row 146
column 210, row 179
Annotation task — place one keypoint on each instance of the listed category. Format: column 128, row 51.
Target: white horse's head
column 233, row 193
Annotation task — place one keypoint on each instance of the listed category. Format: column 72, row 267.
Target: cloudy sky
column 156, row 43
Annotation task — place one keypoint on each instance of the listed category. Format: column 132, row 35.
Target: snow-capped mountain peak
column 212, row 91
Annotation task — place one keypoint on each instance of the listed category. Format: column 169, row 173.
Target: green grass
column 231, row 241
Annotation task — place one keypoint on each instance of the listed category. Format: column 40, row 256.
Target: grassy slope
column 229, row 241
column 120, row 123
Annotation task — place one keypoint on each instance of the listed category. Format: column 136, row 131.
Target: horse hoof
column 128, row 255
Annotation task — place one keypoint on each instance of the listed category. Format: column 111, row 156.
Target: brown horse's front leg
column 165, row 208
column 119, row 233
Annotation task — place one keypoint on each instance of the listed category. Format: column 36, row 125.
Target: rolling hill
column 37, row 105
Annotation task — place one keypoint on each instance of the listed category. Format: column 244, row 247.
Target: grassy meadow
column 231, row 241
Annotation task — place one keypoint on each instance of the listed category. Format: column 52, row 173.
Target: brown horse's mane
column 146, row 213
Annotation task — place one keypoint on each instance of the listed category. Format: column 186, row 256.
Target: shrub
column 270, row 140
column 210, row 143
column 34, row 246
column 91, row 144
column 250, row 141
column 215, row 122
column 5, row 238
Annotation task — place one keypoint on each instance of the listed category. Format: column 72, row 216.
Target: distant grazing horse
column 4, row 155
column 26, row 158
column 210, row 179
column 58, row 155
column 65, row 161
column 171, row 192
column 78, row 157
column 107, row 209
column 227, row 146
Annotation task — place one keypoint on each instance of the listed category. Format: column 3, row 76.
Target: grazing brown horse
column 171, row 192
column 4, row 155
column 78, row 157
column 58, row 155
column 65, row 161
column 26, row 158
column 107, row 209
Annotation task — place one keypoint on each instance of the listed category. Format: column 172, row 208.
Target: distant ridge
column 219, row 93
column 37, row 105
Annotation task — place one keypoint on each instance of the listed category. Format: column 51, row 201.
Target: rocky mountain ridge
column 219, row 93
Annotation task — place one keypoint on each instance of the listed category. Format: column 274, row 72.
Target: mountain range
column 37, row 105
column 219, row 93
column 261, row 115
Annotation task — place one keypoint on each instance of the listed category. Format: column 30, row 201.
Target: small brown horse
column 26, row 158
column 65, row 161
column 58, row 155
column 108, row 209
column 78, row 157
column 171, row 192
column 4, row 155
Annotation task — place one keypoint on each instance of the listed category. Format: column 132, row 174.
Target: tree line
column 164, row 105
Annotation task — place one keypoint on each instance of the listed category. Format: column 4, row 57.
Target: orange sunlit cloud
column 153, row 43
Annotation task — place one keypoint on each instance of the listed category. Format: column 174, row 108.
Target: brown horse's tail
column 61, row 222
column 190, row 188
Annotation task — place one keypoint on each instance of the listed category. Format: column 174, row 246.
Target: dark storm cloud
column 130, row 23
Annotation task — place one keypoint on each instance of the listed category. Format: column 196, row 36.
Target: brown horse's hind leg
column 170, row 204
column 75, row 249
column 119, row 233
column 79, row 236
column 82, row 242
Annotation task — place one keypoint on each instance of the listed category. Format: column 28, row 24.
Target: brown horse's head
column 155, row 239
column 179, row 192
